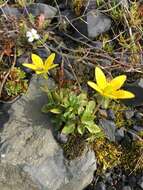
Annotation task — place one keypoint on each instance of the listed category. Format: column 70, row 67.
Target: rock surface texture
column 97, row 23
column 30, row 156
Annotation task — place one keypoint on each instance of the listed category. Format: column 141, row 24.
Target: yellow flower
column 110, row 89
column 39, row 66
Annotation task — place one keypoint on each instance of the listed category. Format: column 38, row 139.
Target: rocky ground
column 82, row 34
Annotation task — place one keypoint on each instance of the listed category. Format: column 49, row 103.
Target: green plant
column 24, row 3
column 2, row 2
column 108, row 154
column 16, row 83
column 73, row 111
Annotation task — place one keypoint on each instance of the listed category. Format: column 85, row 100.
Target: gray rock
column 132, row 180
column 124, row 3
column 10, row 11
column 97, row 23
column 109, row 128
column 127, row 187
column 140, row 83
column 138, row 115
column 27, row 142
column 100, row 186
column 129, row 114
column 40, row 8
column 14, row 178
column 62, row 138
column 120, row 134
column 138, row 128
column 140, row 182
column 137, row 90
column 111, row 114
column 133, row 134
column 42, row 52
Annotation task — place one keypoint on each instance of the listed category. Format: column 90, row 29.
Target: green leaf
column 90, row 106
column 81, row 129
column 69, row 128
column 45, row 108
column 93, row 128
column 82, row 99
column 55, row 110
column 80, row 110
column 87, row 116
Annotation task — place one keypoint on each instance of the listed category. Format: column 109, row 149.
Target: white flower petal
column 33, row 31
column 31, row 39
column 36, row 36
column 28, row 34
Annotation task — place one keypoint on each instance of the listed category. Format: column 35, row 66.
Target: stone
column 138, row 115
column 137, row 90
column 24, row 58
column 119, row 134
column 138, row 128
column 62, row 138
column 129, row 114
column 109, row 128
column 100, row 186
column 127, row 187
column 4, row 116
column 42, row 52
column 103, row 113
column 14, row 178
column 37, row 9
column 140, row 82
column 27, row 143
column 97, row 23
column 132, row 181
column 140, row 182
column 10, row 11
column 133, row 134
column 124, row 3
column 111, row 114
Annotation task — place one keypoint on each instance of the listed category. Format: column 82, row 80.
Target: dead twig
column 7, row 74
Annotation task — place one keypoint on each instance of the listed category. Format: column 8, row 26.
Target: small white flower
column 32, row 35
column 2, row 155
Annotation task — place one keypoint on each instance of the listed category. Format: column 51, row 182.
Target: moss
column 120, row 120
column 74, row 147
column 132, row 157
column 107, row 153
column 78, row 6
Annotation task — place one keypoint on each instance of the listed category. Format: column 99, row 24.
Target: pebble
column 100, row 186
column 140, row 182
column 103, row 113
column 126, row 188
column 138, row 115
column 129, row 114
column 62, row 138
column 42, row 52
column 119, row 135
column 111, row 114
column 132, row 181
column 138, row 128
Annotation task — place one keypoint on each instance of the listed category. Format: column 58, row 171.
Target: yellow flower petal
column 30, row 66
column 100, row 78
column 94, row 86
column 53, row 66
column 117, row 82
column 123, row 94
column 49, row 61
column 109, row 95
column 37, row 61
column 40, row 72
